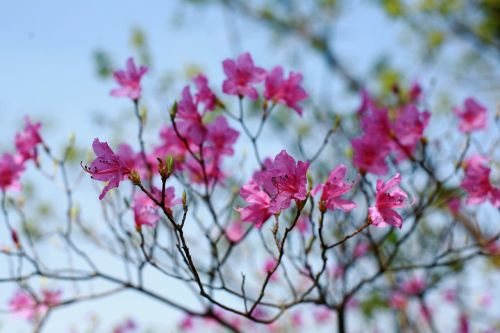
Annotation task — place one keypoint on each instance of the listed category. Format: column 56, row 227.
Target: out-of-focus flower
column 129, row 81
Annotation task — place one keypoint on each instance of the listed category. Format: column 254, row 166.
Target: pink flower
column 413, row 286
column 129, row 81
column 235, row 231
column 25, row 305
column 408, row 129
column 370, row 154
column 472, row 117
column 11, row 168
column 204, row 94
column 107, row 166
column 386, row 200
column 284, row 180
column 333, row 189
column 258, row 210
column 187, row 323
column 288, row 92
column 397, row 300
column 477, row 182
column 221, row 137
column 171, row 144
column 133, row 160
column 190, row 122
column 367, row 103
column 241, row 75
column 145, row 211
column 28, row 139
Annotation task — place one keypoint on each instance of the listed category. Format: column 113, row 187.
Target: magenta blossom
column 288, row 92
column 133, row 160
column 189, row 119
column 370, row 154
column 333, row 189
column 145, row 211
column 477, row 182
column 258, row 210
column 241, row 75
column 283, row 180
column 25, row 305
column 472, row 117
column 221, row 137
column 129, row 81
column 235, row 231
column 107, row 166
column 11, row 168
column 408, row 129
column 28, row 139
column 204, row 94
column 388, row 198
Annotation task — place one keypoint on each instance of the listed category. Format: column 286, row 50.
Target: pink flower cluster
column 271, row 190
column 477, row 183
column 25, row 305
column 194, row 139
column 146, row 210
column 12, row 165
column 242, row 75
column 385, row 131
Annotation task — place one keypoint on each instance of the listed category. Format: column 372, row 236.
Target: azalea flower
column 129, row 81
column 241, row 75
column 107, row 167
column 370, row 154
column 477, row 182
column 472, row 117
column 190, row 121
column 25, row 305
column 28, row 139
column 11, row 168
column 388, row 198
column 408, row 129
column 334, row 188
column 285, row 91
column 258, row 210
column 283, row 180
column 204, row 94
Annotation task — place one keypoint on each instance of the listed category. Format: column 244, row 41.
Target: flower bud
column 173, row 110
column 15, row 238
column 184, row 199
column 134, row 177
